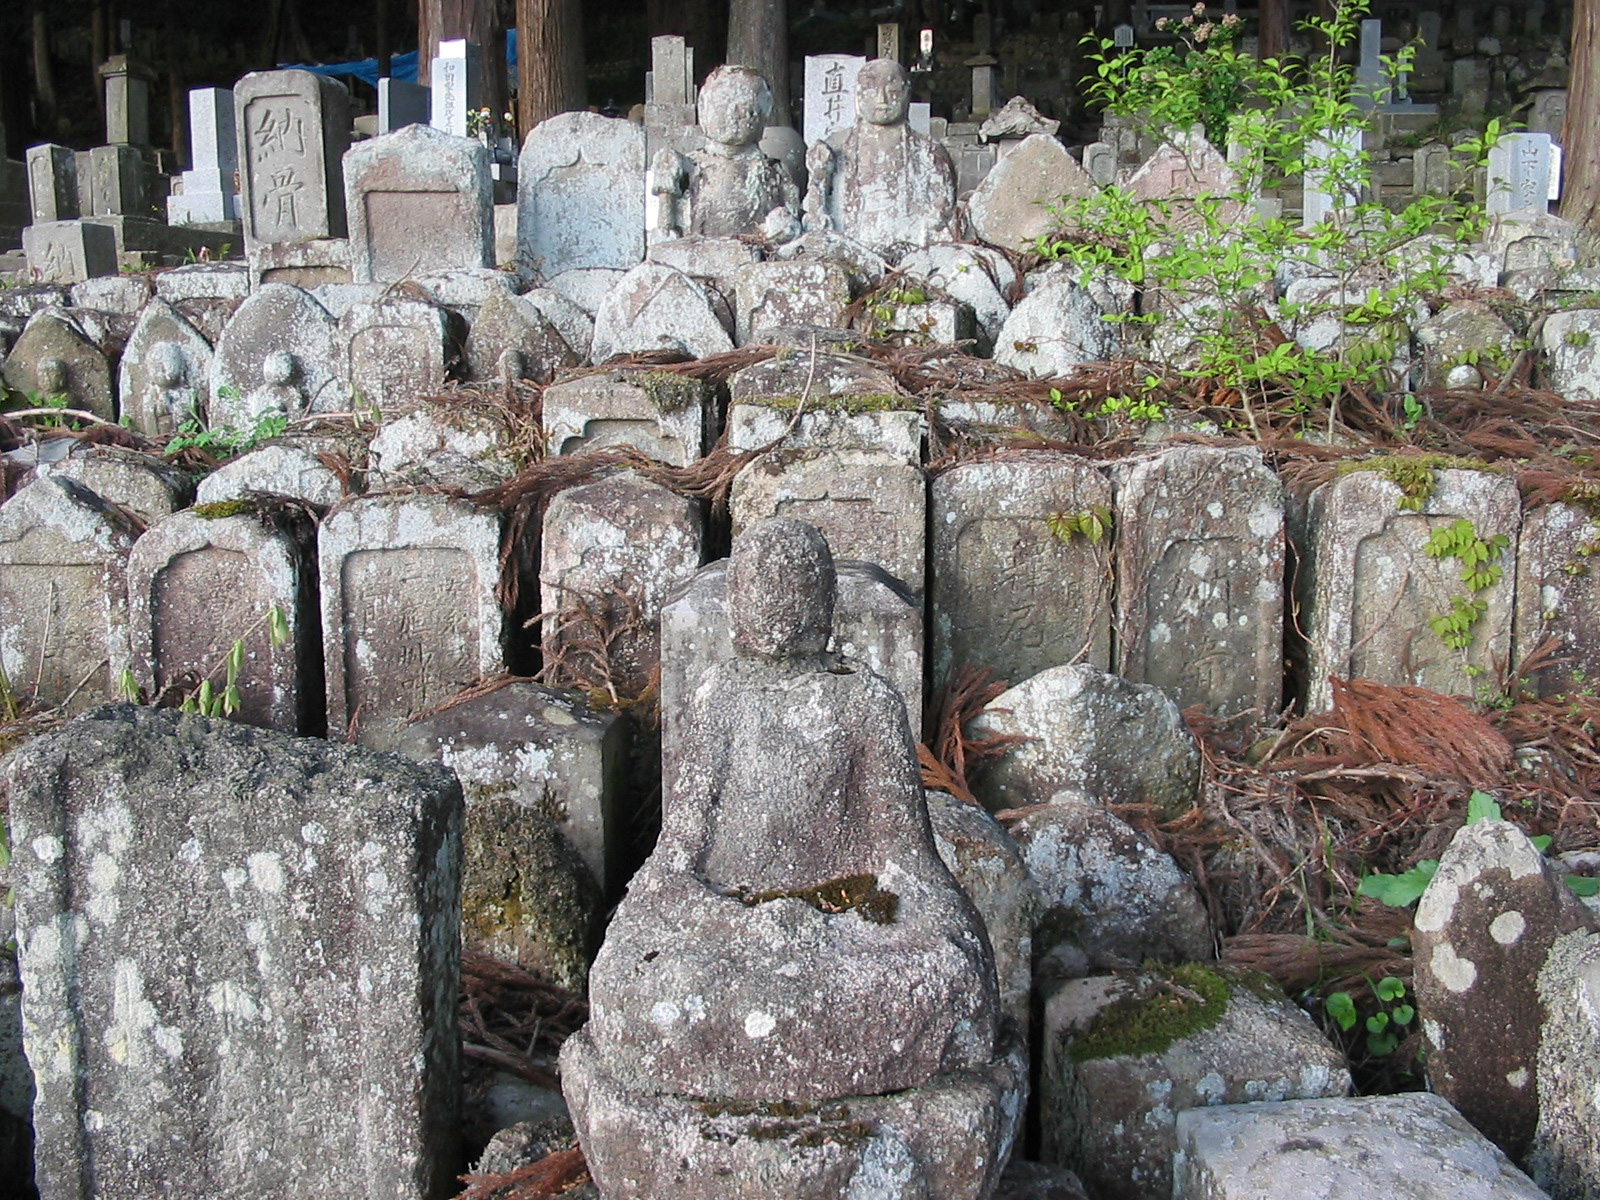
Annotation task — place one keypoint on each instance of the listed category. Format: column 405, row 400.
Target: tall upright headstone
column 457, row 86
column 671, row 71
column 401, row 104
column 116, row 181
column 294, row 128
column 209, row 190
column 1334, row 178
column 580, row 195
column 127, row 101
column 1519, row 173
column 52, row 183
column 419, row 201
column 257, row 999
column 830, row 94
column 1372, row 84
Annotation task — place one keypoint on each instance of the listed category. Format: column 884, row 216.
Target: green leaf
column 1378, row 1022
column 1541, row 843
column 1403, row 1014
column 1482, row 807
column 1380, row 1044
column 1342, row 1009
column 1403, row 889
column 1389, row 988
column 1583, row 885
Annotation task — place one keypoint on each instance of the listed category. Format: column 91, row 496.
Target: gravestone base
column 147, row 235
column 949, row 1138
column 306, row 264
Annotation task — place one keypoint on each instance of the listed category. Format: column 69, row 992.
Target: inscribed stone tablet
column 663, row 415
column 395, row 351
column 1007, row 592
column 239, row 960
column 419, row 201
column 195, row 585
column 1200, row 577
column 580, row 194
column 1371, row 587
column 410, row 614
column 63, row 594
column 294, row 128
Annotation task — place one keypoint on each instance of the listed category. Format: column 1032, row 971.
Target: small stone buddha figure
column 176, row 399
column 54, row 381
column 730, row 188
column 279, row 392
column 795, row 939
column 881, row 182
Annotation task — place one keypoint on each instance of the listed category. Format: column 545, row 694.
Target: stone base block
column 950, row 1138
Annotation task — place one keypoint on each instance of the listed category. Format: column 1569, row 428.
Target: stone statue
column 880, row 181
column 730, row 188
column 794, row 941
column 177, row 399
column 279, row 392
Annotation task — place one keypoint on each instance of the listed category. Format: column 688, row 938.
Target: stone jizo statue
column 730, row 188
column 795, row 938
column 880, row 181
column 279, row 393
column 169, row 374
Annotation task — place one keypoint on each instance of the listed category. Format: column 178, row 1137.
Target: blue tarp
column 401, row 66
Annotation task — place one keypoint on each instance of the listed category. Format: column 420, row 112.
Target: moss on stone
column 219, row 509
column 1414, row 474
column 859, row 893
column 670, row 390
column 1167, row 1003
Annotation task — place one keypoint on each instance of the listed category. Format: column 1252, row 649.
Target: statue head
column 780, row 590
column 279, row 368
column 167, row 367
column 51, row 375
column 883, row 92
column 734, row 106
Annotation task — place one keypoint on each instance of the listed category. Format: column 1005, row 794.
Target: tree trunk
column 1274, row 32
column 383, row 45
column 479, row 21
column 758, row 36
column 550, row 61
column 44, row 76
column 1580, row 137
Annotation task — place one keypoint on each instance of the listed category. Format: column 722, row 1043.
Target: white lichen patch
column 664, row 1014
column 132, row 1016
column 759, row 1024
column 47, row 849
column 1456, row 973
column 232, row 1001
column 1518, row 1078
column 266, row 872
column 1507, row 928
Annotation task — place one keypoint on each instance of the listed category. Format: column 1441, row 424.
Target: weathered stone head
column 52, row 376
column 735, row 104
column 279, row 369
column 883, row 93
column 167, row 366
column 781, row 586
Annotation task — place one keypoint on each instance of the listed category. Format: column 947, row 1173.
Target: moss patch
column 222, row 508
column 865, row 403
column 1414, row 474
column 859, row 893
column 670, row 390
column 1167, row 1003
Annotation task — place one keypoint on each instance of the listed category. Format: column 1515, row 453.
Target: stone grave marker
column 146, row 486
column 195, row 584
column 1011, row 207
column 830, row 95
column 1483, row 930
column 784, row 295
column 1200, row 566
column 1182, row 170
column 69, row 251
column 275, row 470
column 279, row 353
column 63, row 594
column 1007, row 592
column 112, row 295
column 1519, row 173
column 52, row 183
column 419, row 201
column 1372, row 85
column 1369, row 587
column 207, row 192
column 424, row 447
column 294, row 128
column 665, row 416
column 1058, row 326
column 973, row 275
column 1329, row 183
column 869, row 505
column 1454, row 339
column 780, row 381
column 545, row 750
column 1469, row 83
column 580, row 195
column 116, row 181
column 1549, row 115
column 875, row 621
column 1557, row 595
column 410, row 614
column 53, row 358
column 307, row 1045
column 457, row 85
column 164, row 373
column 893, row 431
column 610, row 554
column 127, row 94
column 574, row 323
column 1565, row 1159
column 401, row 104
column 395, row 350
column 506, row 324
column 654, row 307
